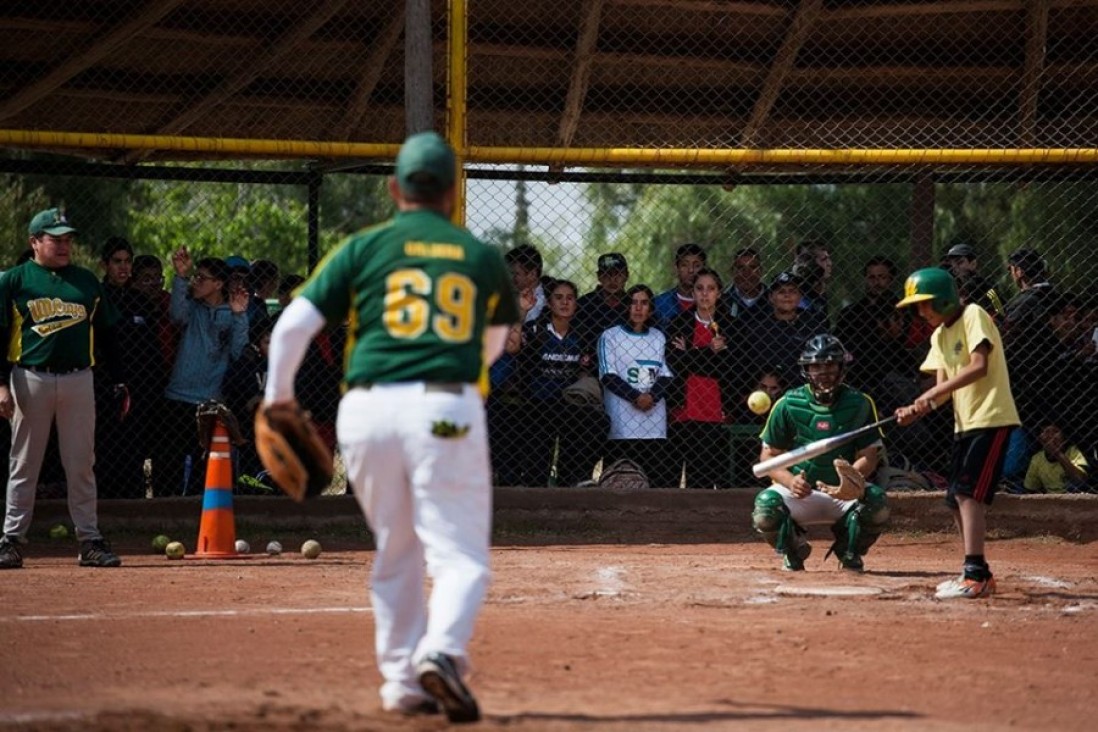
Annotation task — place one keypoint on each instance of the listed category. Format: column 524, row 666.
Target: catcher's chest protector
column 813, row 421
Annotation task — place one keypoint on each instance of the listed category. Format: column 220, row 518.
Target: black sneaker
column 97, row 553
column 439, row 677
column 793, row 561
column 11, row 556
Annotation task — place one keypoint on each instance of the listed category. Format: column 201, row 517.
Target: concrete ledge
column 593, row 515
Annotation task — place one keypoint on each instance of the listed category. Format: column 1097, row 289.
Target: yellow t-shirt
column 988, row 402
column 1048, row 475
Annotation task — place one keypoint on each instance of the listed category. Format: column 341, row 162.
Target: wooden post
column 419, row 110
column 922, row 222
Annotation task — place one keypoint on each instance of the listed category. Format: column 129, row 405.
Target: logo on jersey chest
column 823, row 425
column 61, row 314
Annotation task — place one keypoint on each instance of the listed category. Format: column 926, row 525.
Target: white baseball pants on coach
column 428, row 500
column 39, row 400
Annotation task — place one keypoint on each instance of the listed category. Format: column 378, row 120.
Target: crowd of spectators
column 591, row 378
column 680, row 411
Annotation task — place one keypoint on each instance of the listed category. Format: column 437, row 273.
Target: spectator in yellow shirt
column 1058, row 467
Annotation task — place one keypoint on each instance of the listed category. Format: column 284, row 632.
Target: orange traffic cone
column 217, row 532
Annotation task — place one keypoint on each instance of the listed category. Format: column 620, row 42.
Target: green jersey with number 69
column 419, row 293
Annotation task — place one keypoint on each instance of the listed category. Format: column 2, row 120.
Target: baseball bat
column 812, row 449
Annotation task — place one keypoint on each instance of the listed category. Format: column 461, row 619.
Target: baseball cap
column 51, row 221
column 1027, row 260
column 786, row 278
column 961, row 250
column 236, row 261
column 425, row 164
column 612, row 261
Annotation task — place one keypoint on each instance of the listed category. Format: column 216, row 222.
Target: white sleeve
column 495, row 338
column 295, row 329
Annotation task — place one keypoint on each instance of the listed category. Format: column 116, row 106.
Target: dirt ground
column 594, row 636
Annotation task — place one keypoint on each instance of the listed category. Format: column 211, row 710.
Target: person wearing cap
column 689, row 259
column 746, row 296
column 430, row 308
column 777, row 337
column 212, row 318
column 961, row 261
column 605, row 306
column 52, row 314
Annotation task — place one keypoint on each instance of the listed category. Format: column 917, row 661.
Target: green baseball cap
column 51, row 221
column 425, row 165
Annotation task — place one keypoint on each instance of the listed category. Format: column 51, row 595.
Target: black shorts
column 978, row 457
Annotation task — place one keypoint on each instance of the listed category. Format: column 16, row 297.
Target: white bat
column 812, row 449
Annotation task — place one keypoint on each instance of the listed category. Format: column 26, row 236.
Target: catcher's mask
column 822, row 350
column 936, row 285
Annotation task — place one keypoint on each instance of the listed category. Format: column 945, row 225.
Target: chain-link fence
column 793, row 248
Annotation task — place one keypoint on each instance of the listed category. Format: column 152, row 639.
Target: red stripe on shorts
column 983, row 485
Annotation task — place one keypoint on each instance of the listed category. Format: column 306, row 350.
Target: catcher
column 828, row 489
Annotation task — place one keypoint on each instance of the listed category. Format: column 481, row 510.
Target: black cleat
column 97, row 553
column 11, row 556
column 439, row 677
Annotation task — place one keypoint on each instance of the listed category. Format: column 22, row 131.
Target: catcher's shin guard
column 771, row 518
column 860, row 528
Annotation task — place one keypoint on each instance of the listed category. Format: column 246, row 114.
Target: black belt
column 447, row 387
column 51, row 370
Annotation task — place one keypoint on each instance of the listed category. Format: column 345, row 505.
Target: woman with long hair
column 700, row 354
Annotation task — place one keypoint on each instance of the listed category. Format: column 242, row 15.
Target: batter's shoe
column 967, row 588
column 11, row 556
column 439, row 677
column 97, row 553
column 794, row 561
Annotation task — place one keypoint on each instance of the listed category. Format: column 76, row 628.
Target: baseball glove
column 851, row 485
column 291, row 450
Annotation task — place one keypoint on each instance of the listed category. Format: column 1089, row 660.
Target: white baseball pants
column 428, row 500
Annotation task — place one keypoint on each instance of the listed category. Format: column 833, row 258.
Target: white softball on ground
column 759, row 402
column 310, row 549
column 175, row 550
column 243, row 547
column 274, row 548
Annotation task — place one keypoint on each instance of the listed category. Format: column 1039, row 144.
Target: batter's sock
column 976, row 567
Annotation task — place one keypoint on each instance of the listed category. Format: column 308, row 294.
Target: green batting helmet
column 934, row 284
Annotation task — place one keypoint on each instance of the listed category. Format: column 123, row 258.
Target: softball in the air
column 243, row 547
column 60, row 531
column 759, row 402
column 310, row 549
column 160, row 543
column 175, row 550
column 274, row 548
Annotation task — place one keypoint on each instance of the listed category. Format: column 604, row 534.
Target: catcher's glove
column 851, row 485
column 291, row 450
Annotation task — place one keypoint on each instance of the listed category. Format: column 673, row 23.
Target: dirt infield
column 622, row 636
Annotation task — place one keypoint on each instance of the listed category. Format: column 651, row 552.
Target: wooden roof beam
column 371, row 69
column 99, row 49
column 581, row 73
column 1036, row 44
column 803, row 20
column 191, row 113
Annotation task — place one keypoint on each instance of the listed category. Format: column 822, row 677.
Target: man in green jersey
column 52, row 312
column 822, row 407
column 429, row 308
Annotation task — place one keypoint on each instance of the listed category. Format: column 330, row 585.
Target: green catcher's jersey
column 51, row 314
column 798, row 419
column 419, row 293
